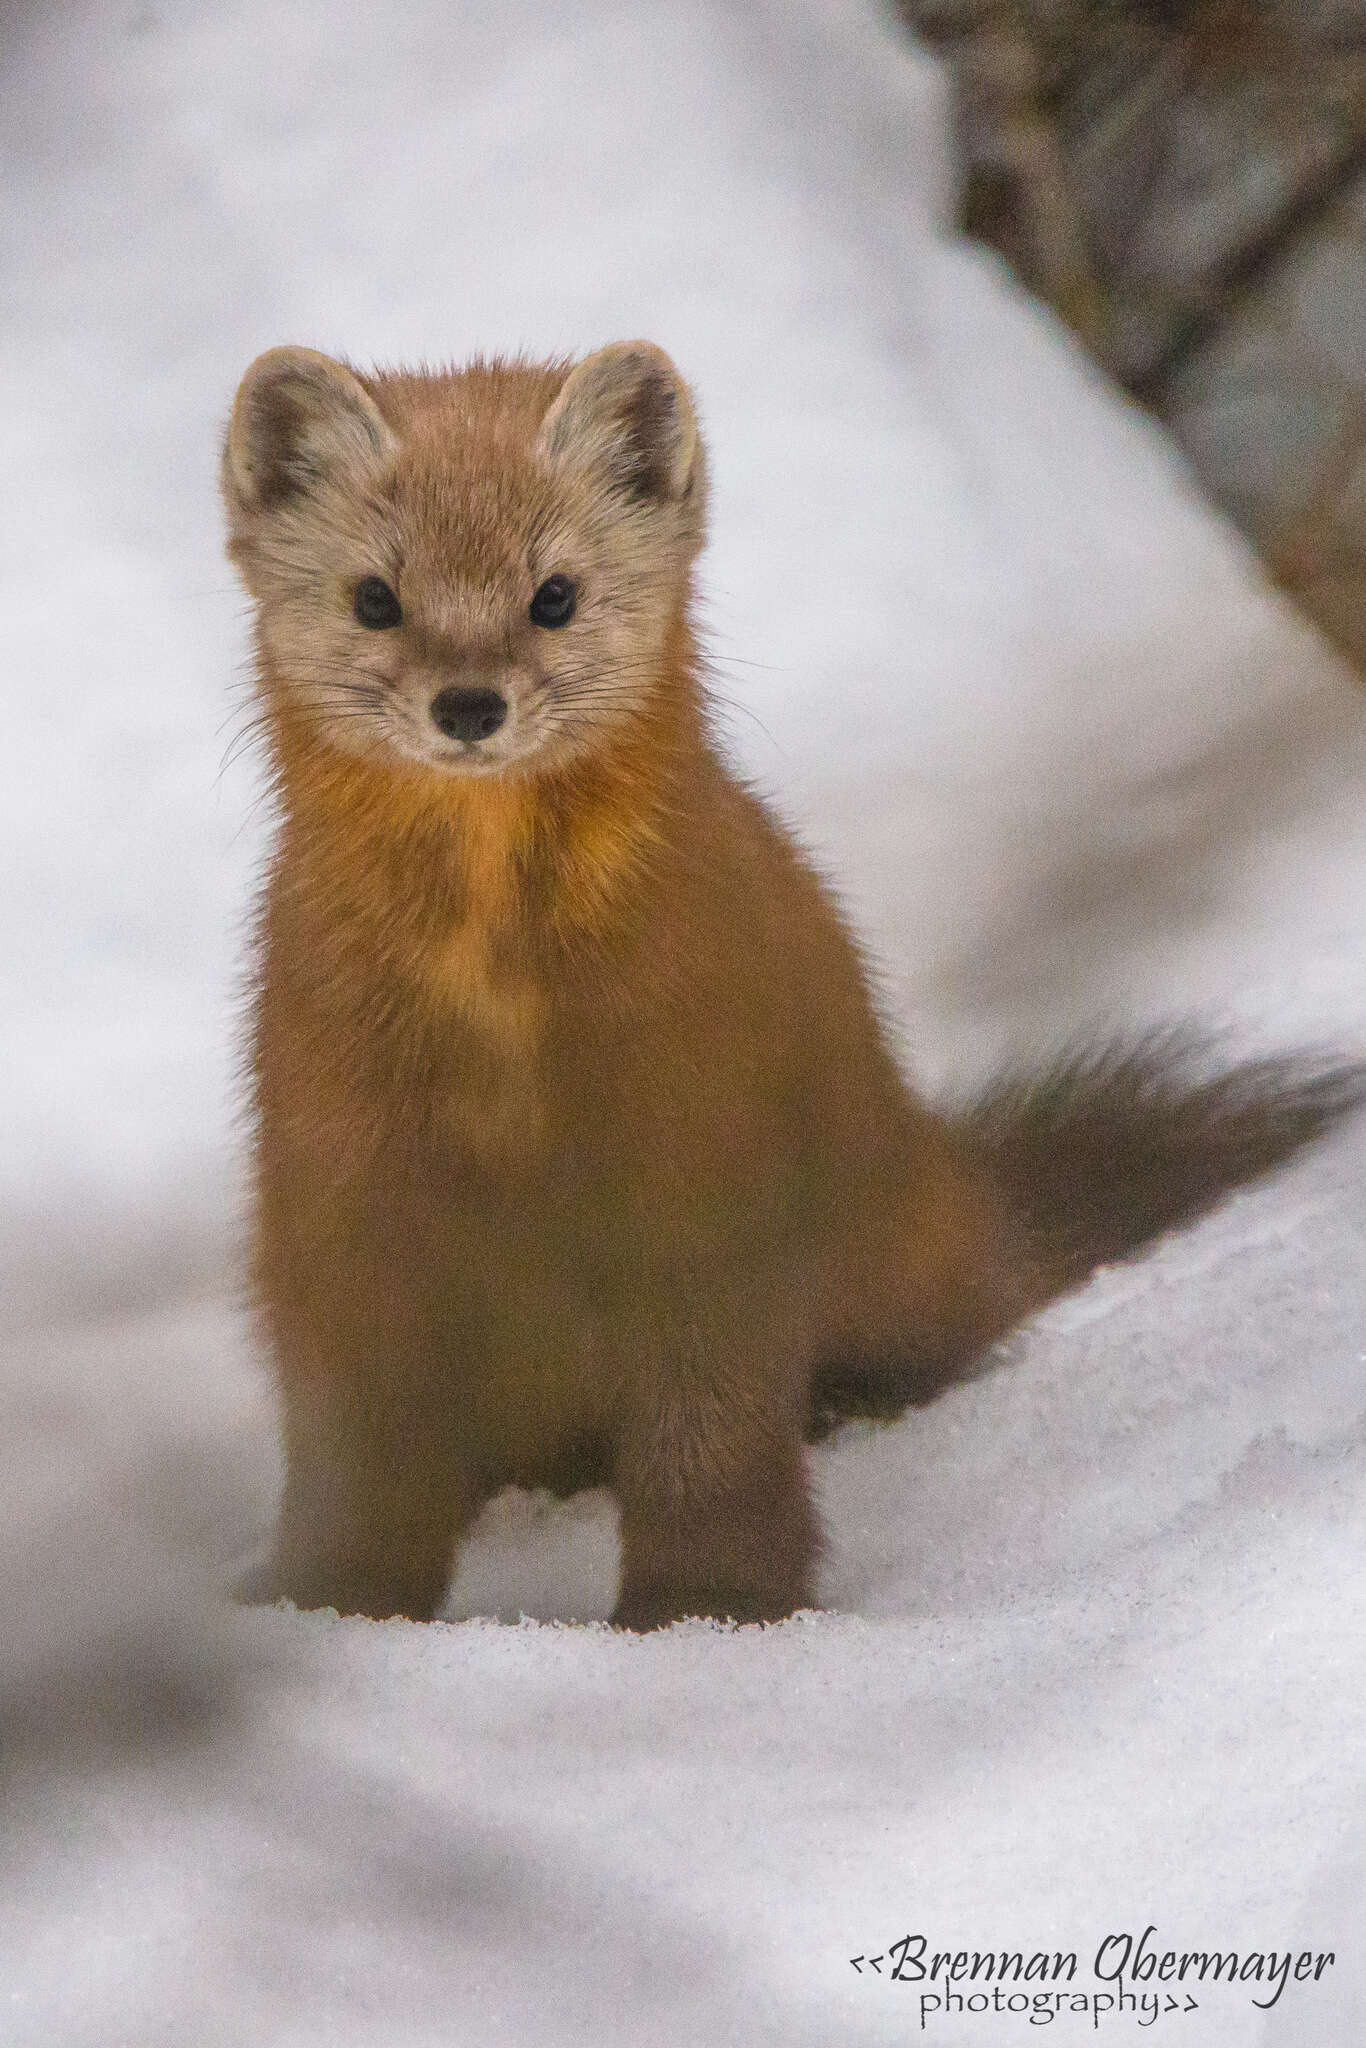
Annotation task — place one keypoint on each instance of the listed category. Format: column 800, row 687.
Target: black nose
column 468, row 714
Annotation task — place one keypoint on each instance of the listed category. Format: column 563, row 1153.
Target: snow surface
column 1096, row 1628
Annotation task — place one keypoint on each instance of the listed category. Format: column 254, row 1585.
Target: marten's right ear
column 299, row 421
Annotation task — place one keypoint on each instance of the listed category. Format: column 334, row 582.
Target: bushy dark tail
column 1097, row 1154
column 1106, row 1148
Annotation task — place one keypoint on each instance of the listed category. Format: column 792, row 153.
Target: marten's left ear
column 626, row 414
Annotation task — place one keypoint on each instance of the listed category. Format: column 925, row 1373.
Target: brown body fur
column 581, row 1156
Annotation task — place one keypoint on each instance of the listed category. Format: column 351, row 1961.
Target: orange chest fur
column 455, row 928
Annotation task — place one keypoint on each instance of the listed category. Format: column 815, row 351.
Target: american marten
column 581, row 1157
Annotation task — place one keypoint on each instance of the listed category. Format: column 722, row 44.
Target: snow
column 1094, row 1628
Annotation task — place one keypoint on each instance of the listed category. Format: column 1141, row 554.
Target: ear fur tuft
column 298, row 418
column 626, row 413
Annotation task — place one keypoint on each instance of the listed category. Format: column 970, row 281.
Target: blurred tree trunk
column 1185, row 181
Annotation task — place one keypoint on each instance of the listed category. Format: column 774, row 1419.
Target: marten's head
column 477, row 570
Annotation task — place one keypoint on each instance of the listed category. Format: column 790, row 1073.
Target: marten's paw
column 345, row 1588
column 656, row 1603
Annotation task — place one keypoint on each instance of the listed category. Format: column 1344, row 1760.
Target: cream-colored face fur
column 465, row 492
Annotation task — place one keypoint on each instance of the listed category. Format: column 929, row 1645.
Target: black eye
column 553, row 604
column 376, row 604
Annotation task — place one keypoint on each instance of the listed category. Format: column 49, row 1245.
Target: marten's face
column 476, row 571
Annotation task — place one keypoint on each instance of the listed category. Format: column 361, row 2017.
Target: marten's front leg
column 375, row 1497
column 716, row 1517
